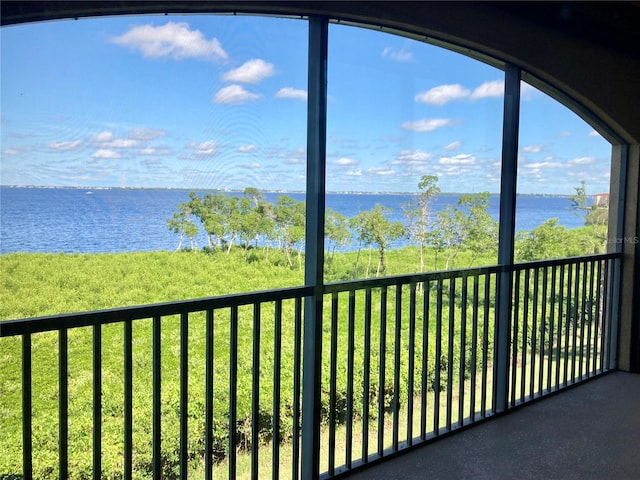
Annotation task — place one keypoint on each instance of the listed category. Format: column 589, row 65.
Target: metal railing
column 212, row 387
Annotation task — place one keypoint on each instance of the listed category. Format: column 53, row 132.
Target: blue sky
column 219, row 102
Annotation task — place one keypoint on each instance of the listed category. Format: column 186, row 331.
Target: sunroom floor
column 591, row 431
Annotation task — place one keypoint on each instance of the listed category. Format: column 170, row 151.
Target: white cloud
column 593, row 133
column 532, row 149
column 154, row 151
column 461, row 159
column 354, row 173
column 416, row 156
column 172, row 40
column 297, row 156
column 251, row 166
column 288, row 92
column 103, row 136
column 427, row 125
column 491, row 89
column 582, row 161
column 105, row 153
column 145, row 134
column 450, row 171
column 65, row 146
column 453, row 146
column 247, row 148
column 380, row 171
column 121, row 143
column 442, row 94
column 252, row 71
column 203, row 149
column 346, row 162
column 538, row 165
column 234, row 94
column 398, row 55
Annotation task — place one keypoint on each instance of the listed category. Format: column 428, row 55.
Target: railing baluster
column 438, row 360
column 208, row 401
column 396, row 367
column 350, row 362
column 297, row 357
column 463, row 351
column 525, row 336
column 552, row 304
column 606, row 318
column 63, row 404
column 474, row 349
column 184, row 395
column 426, row 291
column 233, row 391
column 592, row 305
column 27, row 410
column 597, row 352
column 277, row 370
column 543, row 322
column 333, row 383
column 574, row 332
column 411, row 367
column 383, row 365
column 566, row 324
column 495, row 369
column 128, row 401
column 583, row 318
column 559, row 329
column 255, row 392
column 156, row 443
column 485, row 345
column 97, row 402
column 534, row 333
column 514, row 343
column 367, row 375
column 450, row 335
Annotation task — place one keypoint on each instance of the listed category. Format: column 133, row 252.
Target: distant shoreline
column 283, row 192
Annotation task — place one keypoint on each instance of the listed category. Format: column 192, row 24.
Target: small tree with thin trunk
column 373, row 227
column 182, row 224
column 418, row 214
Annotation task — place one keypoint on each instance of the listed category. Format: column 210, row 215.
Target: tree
column 289, row 217
column 464, row 226
column 594, row 214
column 446, row 234
column 579, row 200
column 373, row 227
column 255, row 195
column 211, row 212
column 182, row 224
column 480, row 230
column 544, row 241
column 336, row 230
column 418, row 214
column 249, row 223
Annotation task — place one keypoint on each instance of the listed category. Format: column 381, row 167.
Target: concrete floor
column 591, row 431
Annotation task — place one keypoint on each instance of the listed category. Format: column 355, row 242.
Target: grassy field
column 46, row 284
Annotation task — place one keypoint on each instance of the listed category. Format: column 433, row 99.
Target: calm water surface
column 116, row 220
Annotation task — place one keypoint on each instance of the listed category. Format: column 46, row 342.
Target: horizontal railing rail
column 10, row 328
column 212, row 386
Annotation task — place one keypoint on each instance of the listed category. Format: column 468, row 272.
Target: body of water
column 73, row 220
